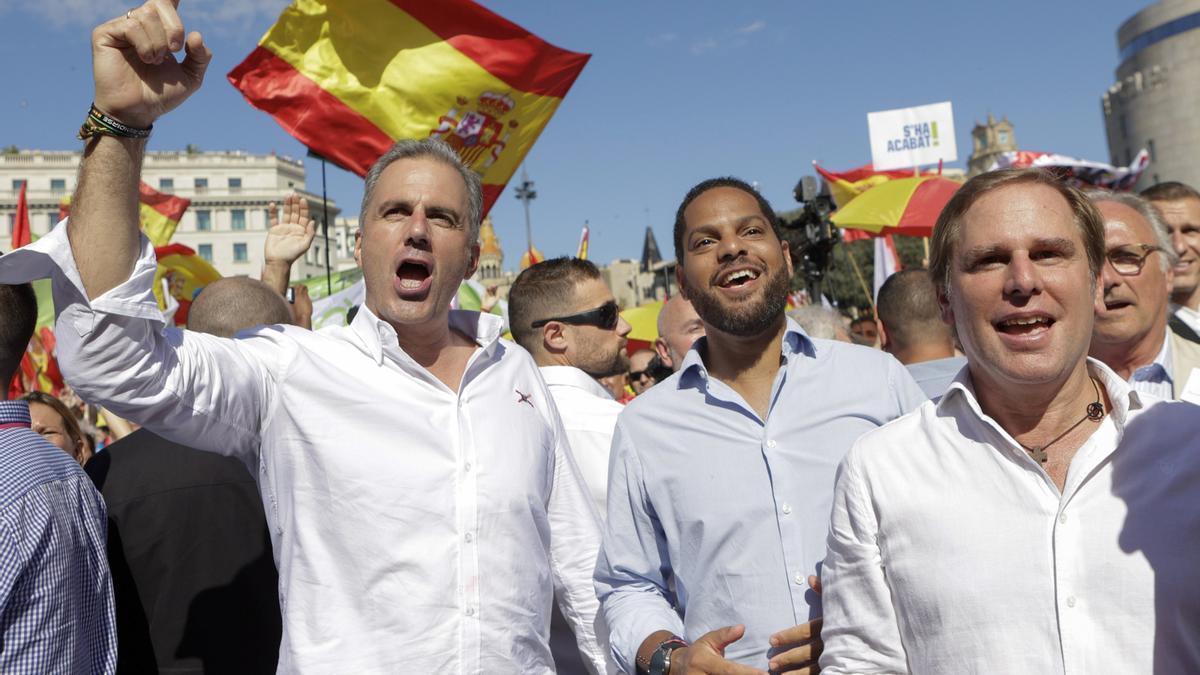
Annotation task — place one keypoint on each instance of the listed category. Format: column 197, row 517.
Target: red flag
column 21, row 234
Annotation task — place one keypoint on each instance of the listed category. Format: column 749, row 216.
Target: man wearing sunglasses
column 1130, row 334
column 721, row 478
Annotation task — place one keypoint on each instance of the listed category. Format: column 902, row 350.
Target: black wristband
column 100, row 123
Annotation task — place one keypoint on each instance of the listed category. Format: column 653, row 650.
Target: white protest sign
column 331, row 311
column 908, row 137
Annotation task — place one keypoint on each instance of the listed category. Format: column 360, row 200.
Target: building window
column 238, row 219
column 1150, row 149
column 203, row 221
column 166, row 183
column 58, row 185
column 235, row 183
column 1002, row 137
column 201, row 184
column 240, row 254
column 205, row 252
column 17, row 183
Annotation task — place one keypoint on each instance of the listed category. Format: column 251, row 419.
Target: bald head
column 229, row 305
column 678, row 328
column 912, row 324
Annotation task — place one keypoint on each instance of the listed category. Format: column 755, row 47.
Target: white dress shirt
column 952, row 551
column 416, row 529
column 1155, row 377
column 589, row 415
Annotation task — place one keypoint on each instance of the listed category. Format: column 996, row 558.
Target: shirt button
column 467, row 466
column 1071, row 601
column 469, row 538
column 771, row 443
column 787, row 508
column 1062, row 518
column 799, row 578
column 470, row 611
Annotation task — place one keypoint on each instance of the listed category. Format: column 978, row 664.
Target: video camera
column 811, row 235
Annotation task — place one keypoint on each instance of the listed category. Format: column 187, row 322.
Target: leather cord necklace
column 1095, row 412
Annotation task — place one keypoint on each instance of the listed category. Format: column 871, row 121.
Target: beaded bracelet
column 100, row 123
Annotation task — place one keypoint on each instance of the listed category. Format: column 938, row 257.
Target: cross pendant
column 1038, row 454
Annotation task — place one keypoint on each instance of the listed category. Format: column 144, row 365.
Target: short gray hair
column 1146, row 210
column 433, row 148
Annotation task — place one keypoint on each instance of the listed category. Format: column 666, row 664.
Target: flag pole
column 325, row 230
column 858, row 273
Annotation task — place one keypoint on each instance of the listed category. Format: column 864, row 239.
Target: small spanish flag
column 348, row 78
column 158, row 212
column 185, row 273
column 583, row 244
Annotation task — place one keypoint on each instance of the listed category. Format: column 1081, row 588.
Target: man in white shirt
column 565, row 316
column 1179, row 205
column 562, row 313
column 1131, row 335
column 422, row 500
column 1043, row 516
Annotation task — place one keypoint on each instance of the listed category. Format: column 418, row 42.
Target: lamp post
column 526, row 194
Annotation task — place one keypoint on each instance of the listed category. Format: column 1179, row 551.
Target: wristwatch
column 660, row 661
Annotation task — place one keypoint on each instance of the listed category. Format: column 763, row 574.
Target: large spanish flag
column 846, row 185
column 349, row 77
column 158, row 212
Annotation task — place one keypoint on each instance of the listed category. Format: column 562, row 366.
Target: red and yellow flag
column 186, row 274
column 347, row 78
column 846, row 185
column 158, row 212
column 21, row 233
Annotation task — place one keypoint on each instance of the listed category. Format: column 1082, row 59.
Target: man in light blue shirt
column 911, row 329
column 721, row 477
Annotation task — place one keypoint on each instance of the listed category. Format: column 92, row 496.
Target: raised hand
column 137, row 76
column 289, row 236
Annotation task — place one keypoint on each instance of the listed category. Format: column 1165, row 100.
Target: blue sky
column 675, row 92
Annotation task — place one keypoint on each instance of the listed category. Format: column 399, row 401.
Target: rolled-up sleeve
column 206, row 392
column 634, row 566
column 860, row 631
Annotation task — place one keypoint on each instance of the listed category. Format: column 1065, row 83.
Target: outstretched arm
column 137, row 80
column 288, row 238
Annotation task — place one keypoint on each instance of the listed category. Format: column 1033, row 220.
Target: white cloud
column 704, row 45
column 752, row 27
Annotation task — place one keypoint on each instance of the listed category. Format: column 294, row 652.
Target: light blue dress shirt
column 717, row 517
column 1155, row 378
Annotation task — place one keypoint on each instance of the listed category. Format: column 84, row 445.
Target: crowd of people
column 995, row 472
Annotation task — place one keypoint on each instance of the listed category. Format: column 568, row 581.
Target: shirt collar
column 1158, row 370
column 1125, row 399
column 14, row 414
column 570, row 376
column 795, row 342
column 375, row 333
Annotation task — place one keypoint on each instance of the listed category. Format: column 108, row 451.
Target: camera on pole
column 811, row 235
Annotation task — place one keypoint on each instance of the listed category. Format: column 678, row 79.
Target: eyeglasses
column 1129, row 260
column 605, row 316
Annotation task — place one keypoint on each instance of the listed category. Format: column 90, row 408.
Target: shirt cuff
column 634, row 618
column 51, row 257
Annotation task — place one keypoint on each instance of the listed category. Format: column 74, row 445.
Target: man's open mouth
column 1024, row 325
column 738, row 277
column 413, row 278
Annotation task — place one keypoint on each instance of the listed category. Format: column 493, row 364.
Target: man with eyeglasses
column 721, row 478
column 1130, row 334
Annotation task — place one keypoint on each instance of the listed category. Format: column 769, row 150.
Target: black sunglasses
column 605, row 316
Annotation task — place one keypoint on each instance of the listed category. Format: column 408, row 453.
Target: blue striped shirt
column 56, row 600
